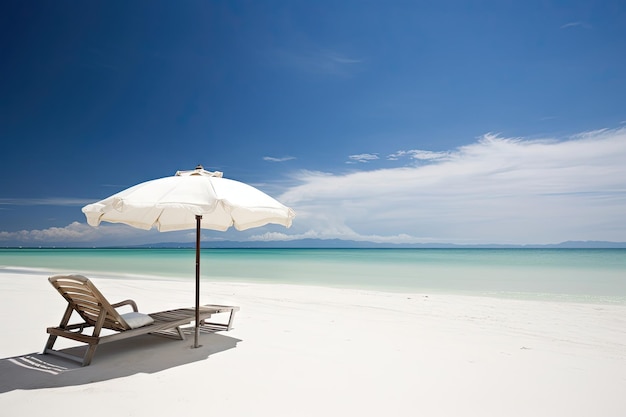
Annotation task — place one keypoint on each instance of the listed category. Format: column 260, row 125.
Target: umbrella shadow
column 143, row 354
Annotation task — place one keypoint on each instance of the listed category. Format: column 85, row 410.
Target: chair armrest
column 126, row 302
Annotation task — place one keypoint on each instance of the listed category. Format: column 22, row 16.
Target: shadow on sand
column 144, row 354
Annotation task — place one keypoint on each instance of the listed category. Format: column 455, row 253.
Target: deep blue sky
column 319, row 104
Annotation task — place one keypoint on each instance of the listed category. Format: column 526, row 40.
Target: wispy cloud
column 316, row 60
column 75, row 232
column 419, row 155
column 83, row 234
column 283, row 159
column 362, row 157
column 576, row 24
column 498, row 189
column 53, row 201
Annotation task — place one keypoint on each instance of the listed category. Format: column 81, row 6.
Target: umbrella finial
column 199, row 171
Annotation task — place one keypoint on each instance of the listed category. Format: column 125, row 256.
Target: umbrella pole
column 197, row 329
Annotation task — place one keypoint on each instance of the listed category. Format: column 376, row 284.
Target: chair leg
column 66, row 318
column 230, row 320
column 89, row 354
column 50, row 343
column 96, row 334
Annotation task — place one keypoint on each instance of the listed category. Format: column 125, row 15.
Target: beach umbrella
column 196, row 199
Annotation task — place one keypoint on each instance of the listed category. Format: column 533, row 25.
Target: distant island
column 338, row 244
column 352, row 244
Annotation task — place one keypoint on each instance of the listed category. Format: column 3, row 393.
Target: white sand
column 308, row 351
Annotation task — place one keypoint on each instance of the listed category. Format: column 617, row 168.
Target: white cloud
column 315, row 60
column 53, row 201
column 576, row 24
column 419, row 155
column 363, row 157
column 81, row 233
column 73, row 232
column 497, row 190
column 273, row 159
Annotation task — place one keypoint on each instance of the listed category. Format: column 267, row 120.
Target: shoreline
column 590, row 299
column 302, row 350
column 587, row 276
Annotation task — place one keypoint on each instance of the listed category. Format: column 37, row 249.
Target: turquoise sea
column 578, row 275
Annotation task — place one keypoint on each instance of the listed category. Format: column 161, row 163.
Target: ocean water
column 576, row 275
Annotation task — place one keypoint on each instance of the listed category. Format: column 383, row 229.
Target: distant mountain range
column 349, row 244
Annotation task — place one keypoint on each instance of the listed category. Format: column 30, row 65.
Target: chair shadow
column 143, row 354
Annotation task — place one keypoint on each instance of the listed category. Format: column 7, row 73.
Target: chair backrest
column 87, row 301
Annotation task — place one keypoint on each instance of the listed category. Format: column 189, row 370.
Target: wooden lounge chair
column 96, row 312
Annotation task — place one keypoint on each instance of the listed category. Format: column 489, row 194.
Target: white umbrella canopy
column 190, row 199
column 172, row 203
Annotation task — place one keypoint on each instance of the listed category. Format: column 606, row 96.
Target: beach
column 304, row 350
